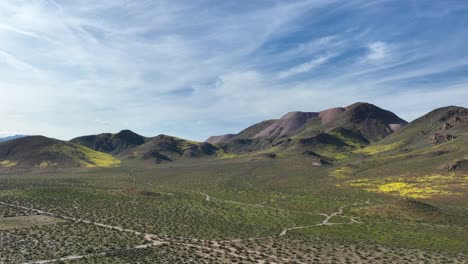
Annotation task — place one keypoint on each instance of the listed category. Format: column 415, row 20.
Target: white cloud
column 378, row 51
column 305, row 67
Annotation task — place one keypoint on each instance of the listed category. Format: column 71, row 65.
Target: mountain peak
column 329, row 115
column 288, row 125
column 130, row 136
column 126, row 132
column 359, row 104
column 448, row 110
column 359, row 112
column 299, row 115
column 446, row 118
column 111, row 143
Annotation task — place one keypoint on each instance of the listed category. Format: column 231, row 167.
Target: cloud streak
column 305, row 67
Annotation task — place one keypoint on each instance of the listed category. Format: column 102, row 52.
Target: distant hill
column 38, row 152
column 431, row 144
column 340, row 128
column 111, row 143
column 165, row 148
column 247, row 133
column 436, row 127
column 162, row 148
column 3, row 139
column 357, row 131
column 372, row 122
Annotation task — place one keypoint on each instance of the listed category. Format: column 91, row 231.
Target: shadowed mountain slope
column 111, row 143
column 167, row 148
column 374, row 123
column 3, row 139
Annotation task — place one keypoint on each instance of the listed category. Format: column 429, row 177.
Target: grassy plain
column 235, row 209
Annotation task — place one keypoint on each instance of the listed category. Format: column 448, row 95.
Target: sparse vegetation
column 384, row 203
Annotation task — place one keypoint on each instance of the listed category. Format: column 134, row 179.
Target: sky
column 196, row 68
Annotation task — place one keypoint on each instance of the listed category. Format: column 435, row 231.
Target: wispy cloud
column 305, row 67
column 16, row 63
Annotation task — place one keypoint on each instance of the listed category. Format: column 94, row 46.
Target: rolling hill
column 358, row 130
column 428, row 158
column 162, row 148
column 38, row 152
column 436, row 127
column 167, row 148
column 111, row 143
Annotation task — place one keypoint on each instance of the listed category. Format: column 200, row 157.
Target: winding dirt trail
column 148, row 237
column 326, row 221
column 207, row 197
column 154, row 239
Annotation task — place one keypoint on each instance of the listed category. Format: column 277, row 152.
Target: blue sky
column 198, row 68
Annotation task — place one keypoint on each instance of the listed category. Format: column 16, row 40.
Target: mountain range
column 353, row 184
column 326, row 137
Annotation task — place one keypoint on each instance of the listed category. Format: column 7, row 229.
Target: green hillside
column 425, row 159
column 38, row 152
column 164, row 148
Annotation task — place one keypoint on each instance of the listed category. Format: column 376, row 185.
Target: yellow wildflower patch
column 409, row 190
column 342, row 172
column 46, row 164
column 414, row 187
column 7, row 163
column 225, row 155
column 97, row 159
column 371, row 150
